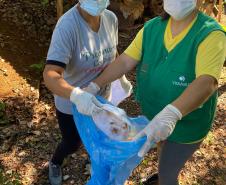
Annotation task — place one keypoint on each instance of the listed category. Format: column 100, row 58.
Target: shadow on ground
column 20, row 53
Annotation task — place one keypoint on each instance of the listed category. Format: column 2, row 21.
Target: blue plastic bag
column 111, row 161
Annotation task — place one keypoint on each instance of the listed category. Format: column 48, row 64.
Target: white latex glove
column 85, row 102
column 159, row 128
column 126, row 85
column 92, row 88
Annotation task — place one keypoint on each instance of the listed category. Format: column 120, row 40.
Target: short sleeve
column 211, row 55
column 135, row 48
column 61, row 46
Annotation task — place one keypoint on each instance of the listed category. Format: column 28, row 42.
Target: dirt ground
column 28, row 129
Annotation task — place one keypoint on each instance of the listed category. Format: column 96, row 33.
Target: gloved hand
column 92, row 88
column 126, row 85
column 159, row 128
column 85, row 102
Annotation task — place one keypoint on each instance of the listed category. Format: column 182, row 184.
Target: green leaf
column 38, row 67
column 2, row 106
column 44, row 2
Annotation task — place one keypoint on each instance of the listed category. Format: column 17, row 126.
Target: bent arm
column 209, row 62
column 196, row 94
column 116, row 69
column 54, row 81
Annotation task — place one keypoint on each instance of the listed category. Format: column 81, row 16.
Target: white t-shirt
column 81, row 51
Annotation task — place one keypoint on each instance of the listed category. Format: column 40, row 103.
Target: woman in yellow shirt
column 178, row 58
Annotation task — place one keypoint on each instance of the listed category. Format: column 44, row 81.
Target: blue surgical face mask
column 94, row 7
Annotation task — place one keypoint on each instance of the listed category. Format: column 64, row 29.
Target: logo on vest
column 181, row 82
column 182, row 78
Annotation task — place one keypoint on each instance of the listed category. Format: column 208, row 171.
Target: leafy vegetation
column 3, row 117
column 39, row 67
column 9, row 178
column 44, row 2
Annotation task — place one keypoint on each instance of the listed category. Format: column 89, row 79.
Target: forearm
column 196, row 94
column 115, row 70
column 57, row 84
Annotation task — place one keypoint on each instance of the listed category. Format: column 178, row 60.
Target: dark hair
column 165, row 15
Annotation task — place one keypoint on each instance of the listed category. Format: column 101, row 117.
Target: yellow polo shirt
column 210, row 56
